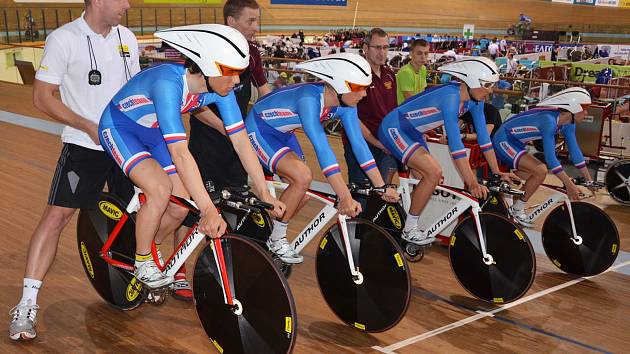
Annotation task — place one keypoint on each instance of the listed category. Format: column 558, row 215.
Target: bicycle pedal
column 158, row 295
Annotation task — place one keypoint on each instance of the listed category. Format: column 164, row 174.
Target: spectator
column 411, row 79
column 503, row 45
column 493, row 49
column 282, row 81
column 511, row 64
column 483, row 43
column 380, row 100
column 555, row 49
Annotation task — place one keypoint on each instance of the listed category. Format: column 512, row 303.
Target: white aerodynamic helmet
column 218, row 50
column 474, row 71
column 345, row 72
column 574, row 100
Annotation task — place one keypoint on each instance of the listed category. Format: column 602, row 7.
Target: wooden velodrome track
column 560, row 313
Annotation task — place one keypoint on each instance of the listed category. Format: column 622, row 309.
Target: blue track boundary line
column 430, row 295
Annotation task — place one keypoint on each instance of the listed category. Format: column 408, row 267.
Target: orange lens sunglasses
column 226, row 70
column 356, row 87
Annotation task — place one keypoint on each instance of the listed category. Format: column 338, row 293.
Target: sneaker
column 284, row 251
column 24, row 319
column 150, row 275
column 417, row 236
column 521, row 217
column 182, row 290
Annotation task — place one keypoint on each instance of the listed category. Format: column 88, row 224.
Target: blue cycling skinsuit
column 535, row 124
column 401, row 130
column 145, row 116
column 275, row 116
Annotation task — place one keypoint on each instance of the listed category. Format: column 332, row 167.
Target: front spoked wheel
column 263, row 319
column 379, row 298
column 593, row 251
column 116, row 286
column 513, row 266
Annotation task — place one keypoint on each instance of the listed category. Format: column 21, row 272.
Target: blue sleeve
column 450, row 108
column 166, row 96
column 479, row 122
column 548, row 130
column 308, row 108
column 360, row 148
column 230, row 113
column 575, row 153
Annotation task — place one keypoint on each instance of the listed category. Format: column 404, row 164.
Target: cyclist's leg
column 423, row 164
column 536, row 171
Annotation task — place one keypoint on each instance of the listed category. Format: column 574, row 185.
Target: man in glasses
column 274, row 118
column 402, row 133
column 559, row 112
column 381, row 98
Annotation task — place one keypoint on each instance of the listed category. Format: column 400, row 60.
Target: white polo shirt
column 66, row 62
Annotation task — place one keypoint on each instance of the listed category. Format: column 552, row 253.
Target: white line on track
column 390, row 348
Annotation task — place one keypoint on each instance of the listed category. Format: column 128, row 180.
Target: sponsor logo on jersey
column 422, row 113
column 388, row 85
column 133, row 102
column 327, row 113
column 277, row 113
column 111, row 146
column 398, row 141
column 508, row 149
column 123, row 50
column 191, row 102
column 524, row 130
column 259, row 150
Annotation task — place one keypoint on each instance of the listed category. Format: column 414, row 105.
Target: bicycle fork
column 487, row 257
column 357, row 277
column 217, row 252
column 577, row 239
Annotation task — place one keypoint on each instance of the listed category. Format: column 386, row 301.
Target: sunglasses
column 226, row 70
column 488, row 84
column 585, row 106
column 356, row 87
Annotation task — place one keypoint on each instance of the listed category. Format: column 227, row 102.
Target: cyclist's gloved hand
column 390, row 195
column 478, row 191
column 509, row 177
column 572, row 191
column 212, row 224
column 349, row 207
column 278, row 207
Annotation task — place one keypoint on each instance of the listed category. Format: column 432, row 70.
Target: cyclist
column 273, row 119
column 402, row 133
column 560, row 112
column 142, row 130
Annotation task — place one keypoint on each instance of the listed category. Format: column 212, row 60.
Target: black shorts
column 81, row 175
column 215, row 156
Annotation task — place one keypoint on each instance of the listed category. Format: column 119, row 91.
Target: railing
column 34, row 24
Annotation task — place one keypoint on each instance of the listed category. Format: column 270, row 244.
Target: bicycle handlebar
column 250, row 200
column 496, row 185
column 581, row 181
column 367, row 188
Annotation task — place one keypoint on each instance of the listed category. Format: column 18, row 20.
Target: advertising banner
column 624, row 3
column 588, row 72
column 564, row 1
column 584, row 2
column 537, row 46
column 613, row 3
column 310, row 2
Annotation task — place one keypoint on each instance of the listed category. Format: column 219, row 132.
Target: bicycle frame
column 325, row 215
column 465, row 202
column 559, row 197
column 180, row 254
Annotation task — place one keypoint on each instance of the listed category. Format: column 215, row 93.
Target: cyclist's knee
column 540, row 172
column 301, row 176
column 159, row 192
column 176, row 212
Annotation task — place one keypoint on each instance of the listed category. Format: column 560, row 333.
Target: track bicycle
column 243, row 302
column 362, row 274
column 578, row 237
column 491, row 256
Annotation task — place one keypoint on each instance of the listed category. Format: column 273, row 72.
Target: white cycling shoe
column 417, row 237
column 149, row 274
column 284, row 251
column 521, row 217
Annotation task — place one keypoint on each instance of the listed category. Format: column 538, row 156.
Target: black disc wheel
column 617, row 181
column 599, row 244
column 512, row 271
column 264, row 321
column 379, row 298
column 115, row 285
